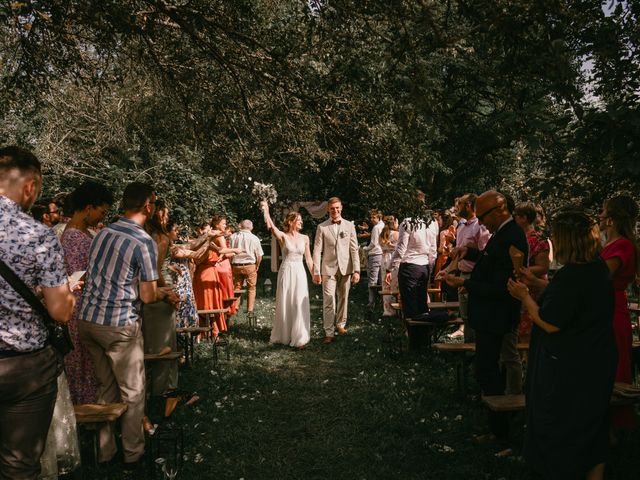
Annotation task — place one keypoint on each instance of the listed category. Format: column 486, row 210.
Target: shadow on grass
column 343, row 411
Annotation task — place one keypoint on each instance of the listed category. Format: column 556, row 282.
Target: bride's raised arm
column 307, row 254
column 270, row 225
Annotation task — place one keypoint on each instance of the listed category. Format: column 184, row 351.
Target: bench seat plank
column 95, row 413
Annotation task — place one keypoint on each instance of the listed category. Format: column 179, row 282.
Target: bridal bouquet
column 264, row 192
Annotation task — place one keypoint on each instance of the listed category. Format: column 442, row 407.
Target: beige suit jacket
column 337, row 246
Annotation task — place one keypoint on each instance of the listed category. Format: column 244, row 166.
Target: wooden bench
column 514, row 403
column 462, row 349
column 187, row 336
column 504, row 403
column 220, row 341
column 155, row 357
column 424, row 334
column 92, row 413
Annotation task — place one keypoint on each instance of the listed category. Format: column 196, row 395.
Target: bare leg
column 596, row 473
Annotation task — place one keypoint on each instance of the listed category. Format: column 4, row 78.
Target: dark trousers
column 28, row 388
column 413, row 281
column 490, row 378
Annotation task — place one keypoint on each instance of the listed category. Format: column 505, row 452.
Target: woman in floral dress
column 88, row 205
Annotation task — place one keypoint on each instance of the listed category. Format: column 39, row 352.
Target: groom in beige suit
column 336, row 243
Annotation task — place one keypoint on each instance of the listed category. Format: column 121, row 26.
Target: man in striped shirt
column 121, row 275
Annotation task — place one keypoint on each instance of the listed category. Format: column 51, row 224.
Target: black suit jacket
column 491, row 308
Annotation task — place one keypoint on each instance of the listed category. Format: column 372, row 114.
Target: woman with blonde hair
column 292, row 323
column 572, row 356
column 388, row 241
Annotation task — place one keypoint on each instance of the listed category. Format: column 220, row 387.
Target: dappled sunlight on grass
column 344, row 411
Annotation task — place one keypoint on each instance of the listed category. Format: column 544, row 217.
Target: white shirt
column 247, row 241
column 417, row 245
column 374, row 247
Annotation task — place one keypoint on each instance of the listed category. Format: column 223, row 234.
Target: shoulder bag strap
column 25, row 292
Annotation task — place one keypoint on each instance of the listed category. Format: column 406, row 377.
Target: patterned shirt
column 33, row 252
column 121, row 256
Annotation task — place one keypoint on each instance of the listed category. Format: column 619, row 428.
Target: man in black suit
column 493, row 313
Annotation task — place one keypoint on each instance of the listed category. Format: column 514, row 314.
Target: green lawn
column 349, row 411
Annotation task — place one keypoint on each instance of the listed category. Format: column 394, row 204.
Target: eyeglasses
column 482, row 216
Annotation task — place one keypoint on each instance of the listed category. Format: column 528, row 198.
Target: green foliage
column 365, row 100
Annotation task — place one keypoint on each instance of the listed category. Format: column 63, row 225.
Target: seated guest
column 572, row 356
column 87, row 205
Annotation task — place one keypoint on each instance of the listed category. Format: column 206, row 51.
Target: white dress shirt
column 374, row 247
column 416, row 244
column 248, row 242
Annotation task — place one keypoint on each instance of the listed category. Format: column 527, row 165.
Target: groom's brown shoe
column 341, row 330
column 327, row 340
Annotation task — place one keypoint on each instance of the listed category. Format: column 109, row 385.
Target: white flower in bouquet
column 264, row 191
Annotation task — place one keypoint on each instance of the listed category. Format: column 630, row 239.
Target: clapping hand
column 517, row 289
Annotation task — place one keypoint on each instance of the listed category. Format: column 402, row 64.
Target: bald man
column 493, row 313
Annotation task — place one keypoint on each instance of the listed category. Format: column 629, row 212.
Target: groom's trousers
column 335, row 289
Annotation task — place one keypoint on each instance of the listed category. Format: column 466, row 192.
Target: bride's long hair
column 289, row 221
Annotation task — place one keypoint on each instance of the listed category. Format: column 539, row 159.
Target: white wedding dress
column 292, row 324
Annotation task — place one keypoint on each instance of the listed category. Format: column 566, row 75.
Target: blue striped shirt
column 121, row 256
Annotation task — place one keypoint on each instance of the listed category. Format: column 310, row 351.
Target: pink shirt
column 473, row 235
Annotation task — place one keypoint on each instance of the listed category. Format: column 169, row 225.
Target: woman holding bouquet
column 292, row 324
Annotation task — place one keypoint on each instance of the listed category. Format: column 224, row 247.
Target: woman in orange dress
column 223, row 265
column 207, row 285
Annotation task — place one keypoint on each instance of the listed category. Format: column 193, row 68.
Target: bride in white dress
column 292, row 323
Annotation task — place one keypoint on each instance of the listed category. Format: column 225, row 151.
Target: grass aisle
column 344, row 411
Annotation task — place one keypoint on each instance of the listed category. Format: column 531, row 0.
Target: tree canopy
column 362, row 99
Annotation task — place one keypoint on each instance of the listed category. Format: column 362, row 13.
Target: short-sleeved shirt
column 33, row 252
column 471, row 234
column 247, row 241
column 623, row 249
column 121, row 256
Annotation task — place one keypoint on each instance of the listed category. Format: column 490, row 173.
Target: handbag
column 59, row 337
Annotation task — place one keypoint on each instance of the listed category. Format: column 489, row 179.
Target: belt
column 243, row 264
column 15, row 353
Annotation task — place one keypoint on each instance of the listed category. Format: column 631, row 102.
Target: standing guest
column 572, row 358
column 87, row 205
column 181, row 257
column 245, row 265
column 539, row 261
column 207, row 284
column 388, row 242
column 493, row 313
column 374, row 259
column 29, row 367
column 415, row 253
column 336, row 264
column 64, row 213
column 122, row 273
column 470, row 234
column 223, row 265
column 292, row 323
column 446, row 241
column 617, row 220
column 158, row 318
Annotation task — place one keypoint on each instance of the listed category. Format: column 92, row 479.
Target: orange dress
column 208, row 290
column 225, row 273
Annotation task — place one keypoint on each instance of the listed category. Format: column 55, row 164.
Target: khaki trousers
column 335, row 289
column 250, row 273
column 119, row 362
